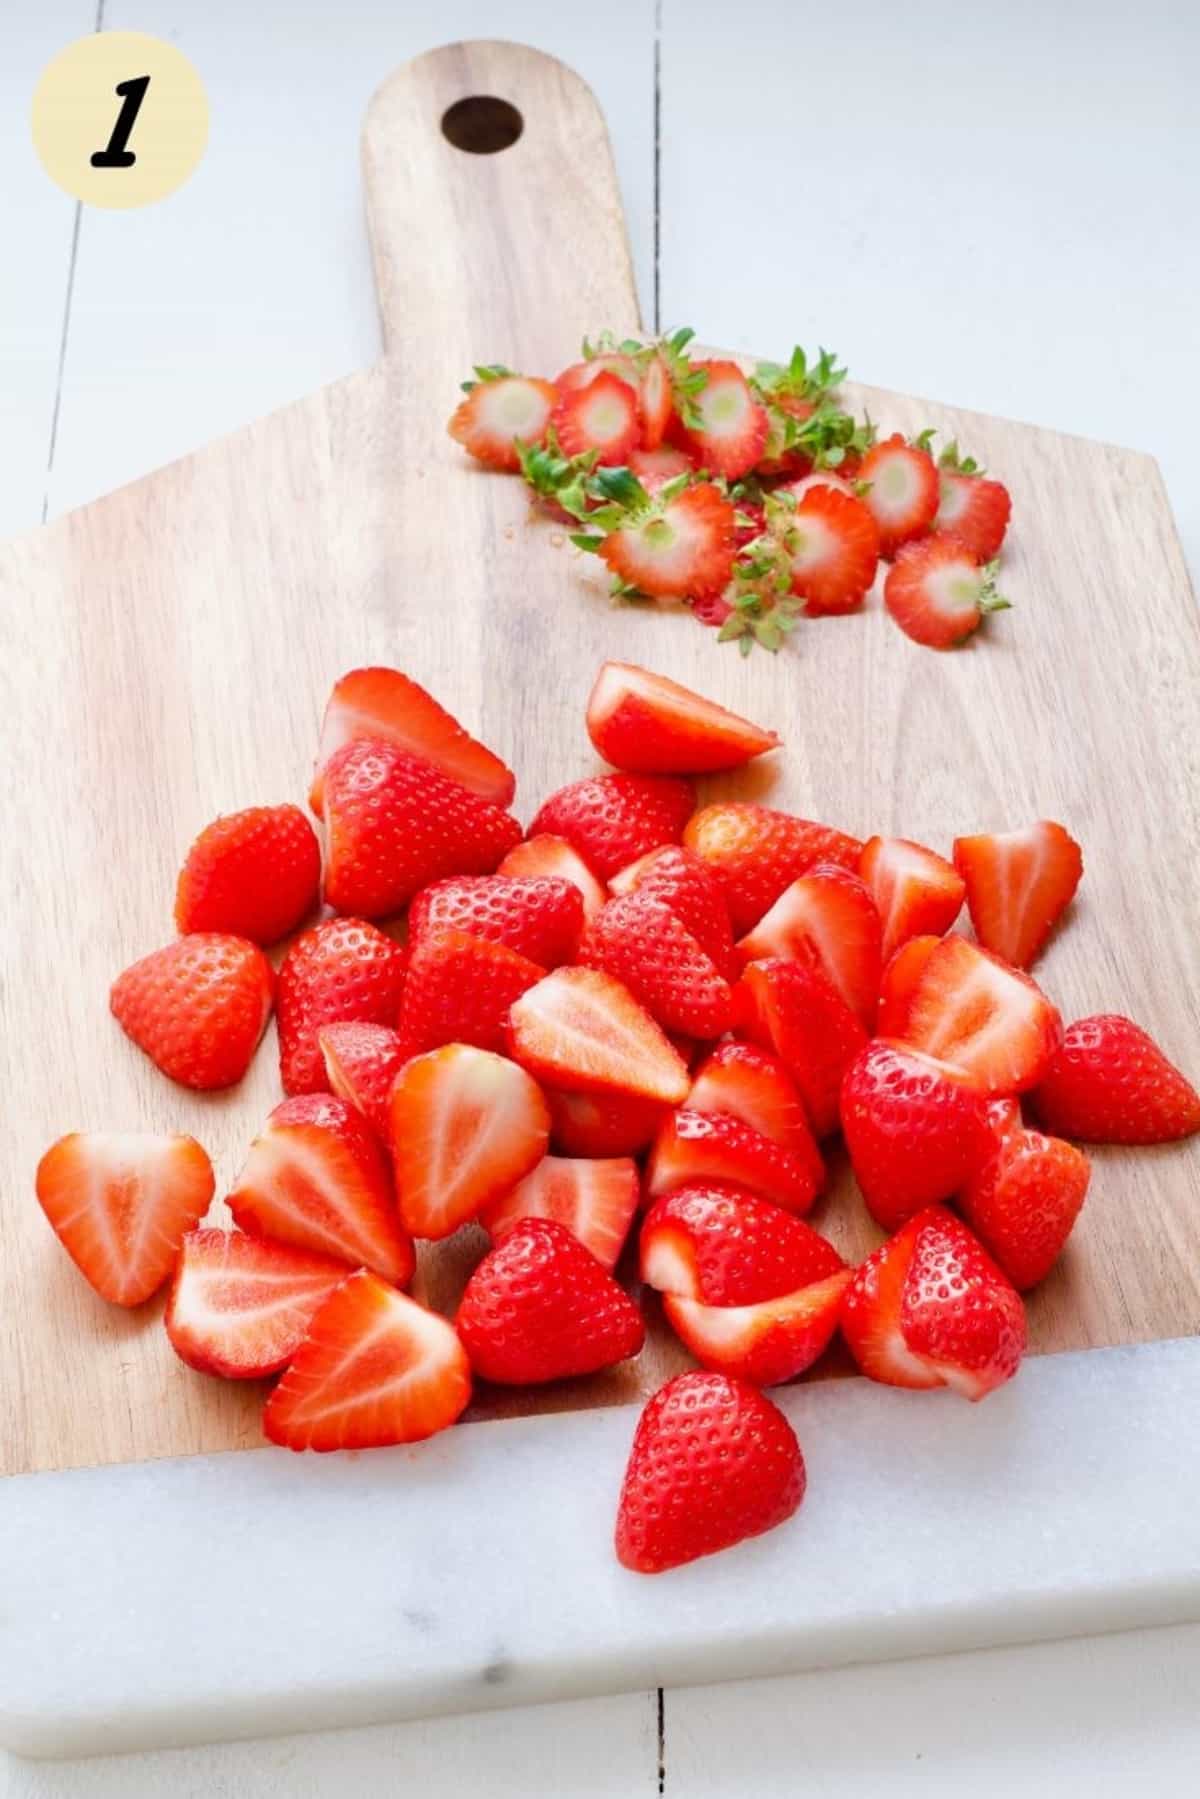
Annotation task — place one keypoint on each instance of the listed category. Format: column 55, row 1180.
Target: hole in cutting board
column 482, row 124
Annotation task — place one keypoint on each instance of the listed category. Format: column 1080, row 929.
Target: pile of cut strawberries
column 752, row 499
column 637, row 1005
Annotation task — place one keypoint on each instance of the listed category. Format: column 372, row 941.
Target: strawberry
column 832, row 543
column 716, row 1146
column 120, row 1205
column 595, row 1200
column 726, row 425
column 974, row 510
column 767, row 1343
column 724, row 1246
column 639, row 940
column 466, row 1126
column 342, row 971
column 916, row 1129
column 1023, row 1203
column 902, row 491
column 198, row 1007
column 383, row 703
column 540, row 1307
column 680, row 543
column 713, row 1462
column 804, row 484
column 915, row 891
column 970, row 1008
column 553, row 858
column 938, row 593
column 394, row 823
column 654, row 468
column 538, row 916
column 1003, row 1116
column 240, row 1306
column 931, row 1309
column 613, row 819
column 688, row 886
column 375, row 1368
column 315, row 1176
column 602, row 1124
column 361, row 1062
column 502, row 410
column 649, row 725
column 1109, row 1082
column 1019, row 883
column 655, row 403
column 579, row 375
column 752, row 1084
column 459, row 989
column 600, row 417
column 755, row 852
column 254, row 874
column 794, row 1010
column 583, row 1031
column 827, row 917
column 899, row 982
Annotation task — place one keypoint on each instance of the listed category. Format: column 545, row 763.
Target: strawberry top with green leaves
column 500, row 411
column 647, row 724
column 832, row 543
column 677, row 543
column 1109, row 1082
column 613, row 819
column 970, row 507
column 725, row 421
column 1018, row 885
column 618, row 363
column 938, row 593
column 901, row 490
column 254, row 873
column 600, row 417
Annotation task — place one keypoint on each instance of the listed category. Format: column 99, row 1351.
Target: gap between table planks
column 168, row 650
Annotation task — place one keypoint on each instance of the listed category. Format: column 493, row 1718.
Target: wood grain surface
column 167, row 651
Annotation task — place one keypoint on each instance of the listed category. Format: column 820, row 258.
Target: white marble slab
column 242, row 1594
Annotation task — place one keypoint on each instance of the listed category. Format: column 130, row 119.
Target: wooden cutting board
column 167, row 651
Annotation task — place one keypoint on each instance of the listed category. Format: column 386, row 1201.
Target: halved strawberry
column 394, row 823
column 1023, row 1203
column 751, row 1084
column 613, row 819
column 832, row 544
column 500, row 411
column 767, row 1343
column 254, row 873
column 1019, row 883
column 546, row 857
column 120, row 1205
column 827, row 916
column 649, row 725
column 902, row 491
column 716, row 1146
column 691, row 890
column 756, row 852
column 466, row 1126
column 916, row 892
column 459, row 989
column 974, row 510
column 726, row 425
column 938, row 592
column 240, row 1305
column 654, row 468
column 899, row 982
column 383, row 703
column 640, row 941
column 374, row 1368
column 1108, row 1082
column 675, row 546
column 725, row 1246
column 198, row 1007
column 600, row 417
column 361, row 1062
column 602, row 1124
column 794, row 1010
column 595, row 1199
column 540, row 1307
column 917, row 1130
column 343, row 970
column 317, row 1177
column 583, row 1031
column 931, row 1309
column 970, row 1008
column 538, row 916
column 655, row 401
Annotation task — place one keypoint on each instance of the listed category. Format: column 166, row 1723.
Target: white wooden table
column 986, row 206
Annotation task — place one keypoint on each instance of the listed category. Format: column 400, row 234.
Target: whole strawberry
column 255, row 874
column 1110, row 1083
column 459, row 989
column 198, row 1007
column 540, row 1307
column 341, row 970
column 539, row 916
column 713, row 1462
column 613, row 819
column 639, row 940
column 1023, row 1203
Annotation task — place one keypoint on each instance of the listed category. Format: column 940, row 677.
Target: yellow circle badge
column 120, row 119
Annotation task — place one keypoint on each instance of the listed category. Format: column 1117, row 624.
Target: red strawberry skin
column 715, row 1146
column 974, row 510
column 724, row 1246
column 255, row 874
column 394, row 824
column 755, row 852
column 646, row 724
column 903, row 492
column 540, row 917
column 459, row 989
column 685, row 884
column 198, row 1007
column 361, row 1062
column 540, row 1307
column 767, row 1343
column 1109, row 1082
column 713, row 1462
column 1022, row 1205
column 342, row 970
column 639, row 940
column 602, row 1124
column 613, row 819
column 794, row 1010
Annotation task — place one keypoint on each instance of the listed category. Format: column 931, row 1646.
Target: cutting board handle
column 495, row 220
